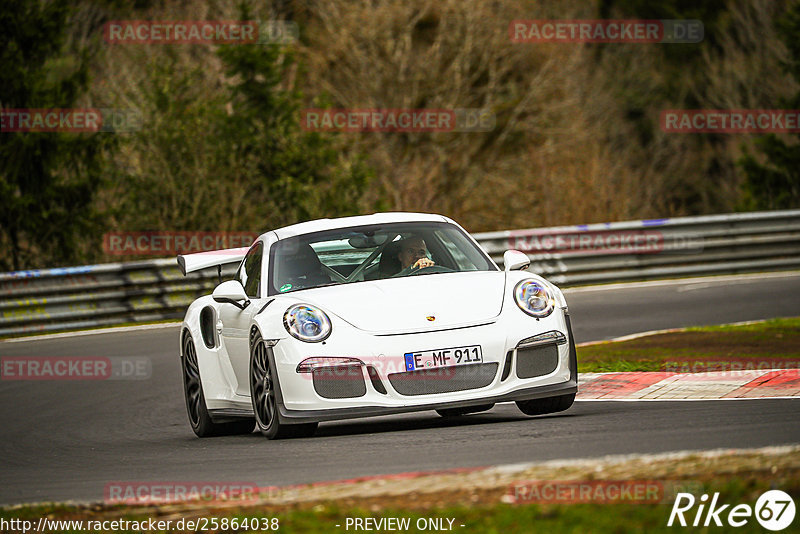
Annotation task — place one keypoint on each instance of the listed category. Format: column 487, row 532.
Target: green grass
column 484, row 518
column 758, row 345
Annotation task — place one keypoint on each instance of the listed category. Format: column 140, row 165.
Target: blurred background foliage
column 577, row 138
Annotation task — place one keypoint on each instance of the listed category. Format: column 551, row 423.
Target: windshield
column 372, row 252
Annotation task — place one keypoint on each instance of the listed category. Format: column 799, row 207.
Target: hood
column 405, row 304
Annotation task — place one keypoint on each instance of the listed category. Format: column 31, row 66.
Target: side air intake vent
column 207, row 323
column 507, row 365
column 377, row 383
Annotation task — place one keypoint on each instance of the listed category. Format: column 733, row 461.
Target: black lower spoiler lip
column 336, row 414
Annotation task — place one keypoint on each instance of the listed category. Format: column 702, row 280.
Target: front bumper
column 299, row 401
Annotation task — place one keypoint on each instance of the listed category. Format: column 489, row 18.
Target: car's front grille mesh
column 339, row 382
column 537, row 361
column 444, row 379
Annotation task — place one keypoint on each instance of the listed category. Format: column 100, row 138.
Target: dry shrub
column 564, row 149
column 444, row 55
column 560, row 151
column 172, row 175
column 746, row 73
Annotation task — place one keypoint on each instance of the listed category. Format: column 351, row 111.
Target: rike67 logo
column 774, row 510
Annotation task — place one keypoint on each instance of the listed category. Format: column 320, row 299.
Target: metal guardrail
column 684, row 246
column 98, row 295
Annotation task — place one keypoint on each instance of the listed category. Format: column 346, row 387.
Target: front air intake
column 537, row 361
column 444, row 379
column 339, row 382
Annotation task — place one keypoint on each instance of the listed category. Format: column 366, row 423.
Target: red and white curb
column 745, row 384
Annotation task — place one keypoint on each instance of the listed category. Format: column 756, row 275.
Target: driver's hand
column 422, row 263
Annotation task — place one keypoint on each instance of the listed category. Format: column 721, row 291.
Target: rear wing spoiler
column 213, row 258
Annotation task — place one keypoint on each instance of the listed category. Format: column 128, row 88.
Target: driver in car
column 413, row 255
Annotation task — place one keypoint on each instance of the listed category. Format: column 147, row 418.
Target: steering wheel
column 431, row 269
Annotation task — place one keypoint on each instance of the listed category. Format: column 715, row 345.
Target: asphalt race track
column 67, row 440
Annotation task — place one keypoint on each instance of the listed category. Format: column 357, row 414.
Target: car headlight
column 534, row 298
column 307, row 323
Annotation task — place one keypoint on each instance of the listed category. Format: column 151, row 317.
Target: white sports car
column 370, row 315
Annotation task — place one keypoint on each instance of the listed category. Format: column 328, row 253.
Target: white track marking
column 665, row 331
column 754, row 277
column 110, row 330
column 773, row 450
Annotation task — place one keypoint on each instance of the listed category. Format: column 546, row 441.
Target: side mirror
column 514, row 260
column 231, row 292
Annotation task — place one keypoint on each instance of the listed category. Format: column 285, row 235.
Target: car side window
column 249, row 273
column 462, row 261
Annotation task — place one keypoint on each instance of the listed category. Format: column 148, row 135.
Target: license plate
column 432, row 359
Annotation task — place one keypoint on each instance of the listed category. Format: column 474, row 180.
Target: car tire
column 199, row 418
column 455, row 412
column 548, row 405
column 264, row 396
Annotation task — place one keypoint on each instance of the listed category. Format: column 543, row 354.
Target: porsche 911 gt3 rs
column 370, row 315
